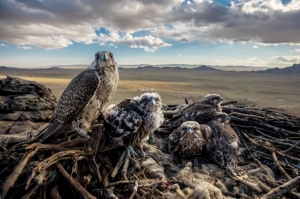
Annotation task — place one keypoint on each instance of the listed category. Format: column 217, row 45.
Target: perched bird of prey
column 188, row 140
column 85, row 96
column 133, row 120
column 222, row 144
column 201, row 112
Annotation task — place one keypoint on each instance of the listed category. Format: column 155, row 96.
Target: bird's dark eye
column 111, row 55
column 195, row 129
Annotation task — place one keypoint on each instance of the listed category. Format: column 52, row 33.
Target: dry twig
column 282, row 189
column 74, row 184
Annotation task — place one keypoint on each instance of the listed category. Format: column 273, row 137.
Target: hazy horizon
column 70, row 66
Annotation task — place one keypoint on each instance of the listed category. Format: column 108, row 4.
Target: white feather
column 235, row 145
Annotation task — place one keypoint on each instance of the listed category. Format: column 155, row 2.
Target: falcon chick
column 222, row 144
column 213, row 99
column 223, row 147
column 201, row 112
column 188, row 140
column 84, row 97
column 133, row 120
column 130, row 123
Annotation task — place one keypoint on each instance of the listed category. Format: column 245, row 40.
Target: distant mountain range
column 3, row 68
column 288, row 70
column 172, row 67
column 224, row 68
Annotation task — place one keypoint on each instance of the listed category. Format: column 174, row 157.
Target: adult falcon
column 201, row 112
column 84, row 97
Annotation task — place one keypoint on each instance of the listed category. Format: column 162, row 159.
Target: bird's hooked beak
column 221, row 99
column 189, row 131
column 99, row 57
column 104, row 57
column 151, row 102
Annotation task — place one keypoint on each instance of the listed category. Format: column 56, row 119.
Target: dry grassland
column 262, row 90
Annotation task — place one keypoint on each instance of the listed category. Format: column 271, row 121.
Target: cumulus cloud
column 255, row 47
column 148, row 42
column 268, row 22
column 297, row 50
column 3, row 45
column 58, row 24
column 263, row 21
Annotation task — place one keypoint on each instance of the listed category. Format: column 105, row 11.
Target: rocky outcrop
column 24, row 105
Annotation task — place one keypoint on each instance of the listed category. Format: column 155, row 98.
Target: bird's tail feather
column 53, row 127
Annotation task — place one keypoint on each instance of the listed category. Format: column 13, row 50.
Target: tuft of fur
column 41, row 177
column 186, row 171
column 150, row 149
column 221, row 185
column 153, row 169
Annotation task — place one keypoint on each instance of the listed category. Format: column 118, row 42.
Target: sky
column 38, row 33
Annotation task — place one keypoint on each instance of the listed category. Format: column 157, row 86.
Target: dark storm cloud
column 275, row 26
column 200, row 14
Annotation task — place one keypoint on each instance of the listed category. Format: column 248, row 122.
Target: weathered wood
column 251, row 122
column 119, row 164
column 228, row 109
column 10, row 181
column 282, row 189
column 16, row 138
column 74, row 184
column 279, row 166
column 270, row 139
column 135, row 188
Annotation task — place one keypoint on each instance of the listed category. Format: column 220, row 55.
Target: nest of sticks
column 69, row 166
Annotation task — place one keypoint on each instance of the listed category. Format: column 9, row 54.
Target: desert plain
column 174, row 84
